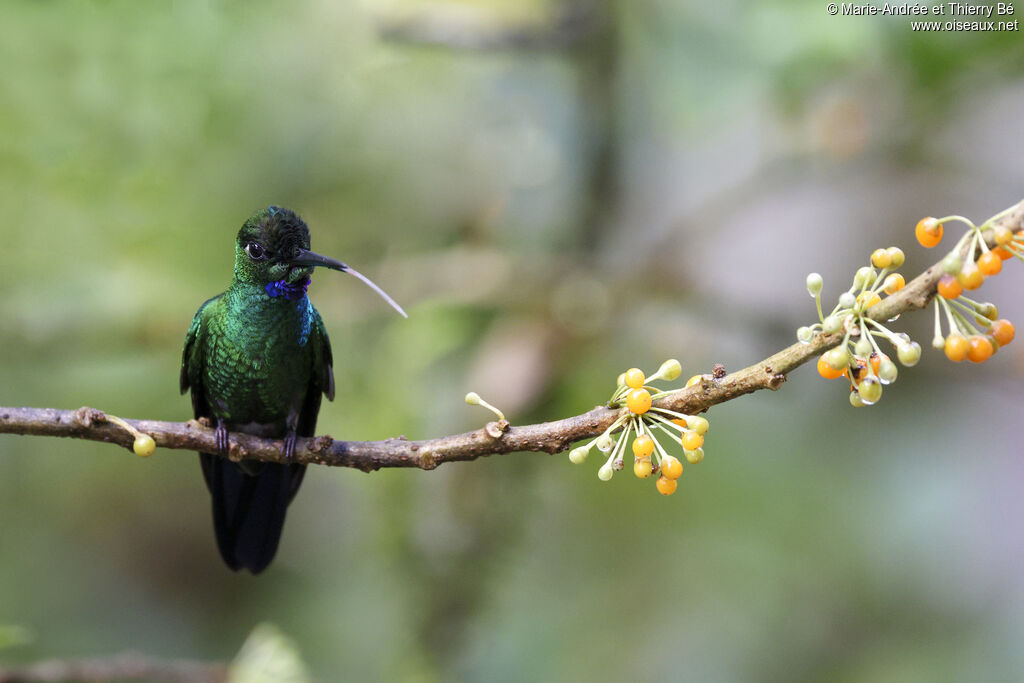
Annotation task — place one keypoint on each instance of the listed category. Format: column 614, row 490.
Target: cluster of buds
column 975, row 330
column 647, row 425
column 859, row 357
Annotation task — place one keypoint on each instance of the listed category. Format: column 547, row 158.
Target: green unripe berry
column 814, row 284
column 832, row 324
column 865, row 275
column 855, row 400
column 863, row 346
column 847, row 300
column 909, row 353
column 698, row 424
column 837, row 358
column 578, row 455
column 870, row 390
column 887, row 371
column 605, row 473
column 670, row 370
column 896, row 257
column 695, row 456
column 989, row 310
column 938, row 342
column 951, row 264
column 144, row 445
column 604, row 443
column 804, row 334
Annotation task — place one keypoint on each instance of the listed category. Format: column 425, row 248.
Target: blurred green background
column 555, row 192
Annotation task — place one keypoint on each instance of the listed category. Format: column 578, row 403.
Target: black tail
column 249, row 509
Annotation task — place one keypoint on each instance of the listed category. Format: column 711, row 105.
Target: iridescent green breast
column 257, row 355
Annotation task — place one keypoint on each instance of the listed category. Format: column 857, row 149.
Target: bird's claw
column 221, row 436
column 288, row 449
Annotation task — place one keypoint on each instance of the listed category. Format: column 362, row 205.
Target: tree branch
column 129, row 666
column 495, row 437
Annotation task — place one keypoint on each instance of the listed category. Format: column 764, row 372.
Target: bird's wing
column 321, row 383
column 323, row 359
column 193, row 362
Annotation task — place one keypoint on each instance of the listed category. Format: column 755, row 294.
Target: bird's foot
column 221, row 435
column 288, row 450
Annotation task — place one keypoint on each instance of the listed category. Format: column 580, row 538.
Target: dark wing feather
column 321, row 384
column 323, row 362
column 193, row 362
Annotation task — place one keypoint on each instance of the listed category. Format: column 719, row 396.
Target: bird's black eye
column 255, row 251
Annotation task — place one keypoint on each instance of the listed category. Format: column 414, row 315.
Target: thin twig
column 129, row 666
column 495, row 437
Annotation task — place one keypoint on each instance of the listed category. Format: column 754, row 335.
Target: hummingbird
column 257, row 360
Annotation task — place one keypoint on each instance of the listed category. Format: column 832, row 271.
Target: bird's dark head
column 267, row 246
column 272, row 250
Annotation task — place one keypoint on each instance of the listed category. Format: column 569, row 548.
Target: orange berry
column 643, row 446
column 638, row 401
column 971, row 276
column 692, row 441
column 894, row 283
column 928, row 232
column 635, row 378
column 679, row 421
column 1002, row 331
column 666, row 487
column 642, row 468
column 981, row 349
column 880, row 258
column 671, row 468
column 956, row 348
column 1002, row 234
column 949, row 287
column 876, row 361
column 869, row 299
column 826, row 371
column 1003, row 253
column 989, row 263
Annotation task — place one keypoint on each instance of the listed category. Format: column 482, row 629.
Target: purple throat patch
column 291, row 291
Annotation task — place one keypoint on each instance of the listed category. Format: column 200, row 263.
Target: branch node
column 85, row 416
column 235, row 451
column 320, row 444
column 496, row 429
column 718, row 371
column 426, row 461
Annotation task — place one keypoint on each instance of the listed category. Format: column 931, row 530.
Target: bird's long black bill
column 311, row 258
